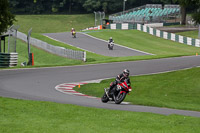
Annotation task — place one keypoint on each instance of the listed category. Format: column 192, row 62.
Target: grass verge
column 145, row 42
column 34, row 116
column 131, row 38
column 54, row 23
column 41, row 57
column 192, row 34
column 162, row 48
column 178, row 90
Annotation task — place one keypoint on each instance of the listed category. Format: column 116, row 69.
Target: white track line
column 117, row 44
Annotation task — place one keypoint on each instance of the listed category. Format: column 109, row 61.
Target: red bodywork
column 125, row 87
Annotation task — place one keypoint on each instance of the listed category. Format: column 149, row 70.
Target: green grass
column 130, row 38
column 178, row 90
column 172, row 90
column 53, row 23
column 192, row 34
column 20, row 116
column 41, row 57
column 145, row 42
column 133, row 39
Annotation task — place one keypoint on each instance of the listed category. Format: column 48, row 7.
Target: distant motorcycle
column 74, row 34
column 117, row 94
column 110, row 45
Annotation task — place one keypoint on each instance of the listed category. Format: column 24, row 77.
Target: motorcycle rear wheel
column 104, row 98
column 110, row 47
column 120, row 97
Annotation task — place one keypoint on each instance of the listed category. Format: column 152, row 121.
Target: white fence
column 169, row 36
column 61, row 51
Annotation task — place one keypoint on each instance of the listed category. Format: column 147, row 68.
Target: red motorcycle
column 117, row 94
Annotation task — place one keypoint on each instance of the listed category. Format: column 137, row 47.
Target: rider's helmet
column 110, row 37
column 126, row 72
column 72, row 28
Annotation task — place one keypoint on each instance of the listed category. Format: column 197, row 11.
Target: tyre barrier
column 8, row 59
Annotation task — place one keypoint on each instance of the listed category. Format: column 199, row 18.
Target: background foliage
column 6, row 18
column 89, row 6
column 81, row 6
column 84, row 6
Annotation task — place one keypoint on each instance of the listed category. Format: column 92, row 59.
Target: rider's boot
column 110, row 90
column 107, row 92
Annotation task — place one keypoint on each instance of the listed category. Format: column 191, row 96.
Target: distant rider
column 110, row 40
column 119, row 79
column 73, row 30
column 110, row 43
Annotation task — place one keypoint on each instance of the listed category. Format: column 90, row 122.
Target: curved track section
column 98, row 46
column 40, row 83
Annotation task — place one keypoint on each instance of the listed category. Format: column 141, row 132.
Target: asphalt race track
column 39, row 83
column 86, row 42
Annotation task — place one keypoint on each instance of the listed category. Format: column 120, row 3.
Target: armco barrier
column 73, row 54
column 8, row 59
column 158, row 33
column 169, row 36
column 123, row 26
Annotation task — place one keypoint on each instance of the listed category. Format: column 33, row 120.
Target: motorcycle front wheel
column 120, row 97
column 104, row 98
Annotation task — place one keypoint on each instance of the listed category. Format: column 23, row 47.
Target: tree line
column 78, row 6
column 89, row 6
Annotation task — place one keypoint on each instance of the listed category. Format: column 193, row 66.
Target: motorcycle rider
column 72, row 31
column 120, row 78
column 110, row 40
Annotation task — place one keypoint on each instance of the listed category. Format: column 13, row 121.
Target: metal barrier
column 12, row 40
column 8, row 59
column 61, row 51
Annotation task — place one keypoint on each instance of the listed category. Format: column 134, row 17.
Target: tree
column 196, row 15
column 92, row 5
column 6, row 17
column 184, row 4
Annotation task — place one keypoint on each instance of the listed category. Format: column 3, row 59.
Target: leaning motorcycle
column 110, row 45
column 117, row 94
